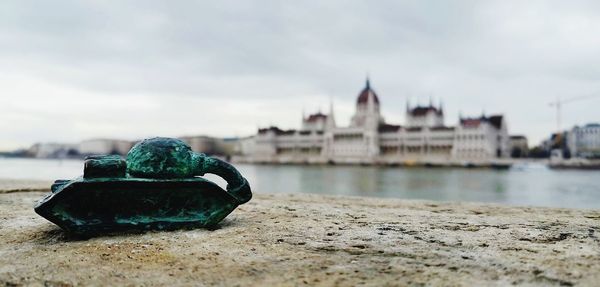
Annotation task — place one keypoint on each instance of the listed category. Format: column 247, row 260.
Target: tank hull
column 94, row 206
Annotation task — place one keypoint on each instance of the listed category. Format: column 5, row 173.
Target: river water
column 526, row 186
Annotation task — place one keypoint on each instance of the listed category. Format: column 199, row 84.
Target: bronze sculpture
column 156, row 188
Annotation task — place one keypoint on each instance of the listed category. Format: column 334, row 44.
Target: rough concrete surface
column 14, row 185
column 300, row 239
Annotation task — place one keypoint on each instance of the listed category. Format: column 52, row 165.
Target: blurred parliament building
column 425, row 139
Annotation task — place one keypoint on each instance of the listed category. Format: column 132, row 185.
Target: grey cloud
column 498, row 56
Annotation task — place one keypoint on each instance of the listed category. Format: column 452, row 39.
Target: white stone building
column 369, row 139
column 584, row 141
column 481, row 138
column 52, row 150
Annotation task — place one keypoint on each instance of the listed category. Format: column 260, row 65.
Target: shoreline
column 25, row 185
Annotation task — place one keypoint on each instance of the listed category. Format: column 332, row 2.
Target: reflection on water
column 541, row 187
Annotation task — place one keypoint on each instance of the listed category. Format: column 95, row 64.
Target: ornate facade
column 369, row 139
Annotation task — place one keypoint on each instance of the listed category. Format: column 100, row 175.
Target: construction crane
column 559, row 103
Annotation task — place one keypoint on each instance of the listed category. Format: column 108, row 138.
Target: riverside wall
column 313, row 240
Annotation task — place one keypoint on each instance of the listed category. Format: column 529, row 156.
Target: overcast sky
column 132, row 69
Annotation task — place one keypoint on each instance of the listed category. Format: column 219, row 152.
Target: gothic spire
column 330, row 106
column 330, row 117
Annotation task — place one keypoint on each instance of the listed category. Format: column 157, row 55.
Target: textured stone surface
column 315, row 240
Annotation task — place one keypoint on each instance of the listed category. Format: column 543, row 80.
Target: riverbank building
column 369, row 139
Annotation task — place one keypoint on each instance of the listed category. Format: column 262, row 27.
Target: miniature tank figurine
column 156, row 188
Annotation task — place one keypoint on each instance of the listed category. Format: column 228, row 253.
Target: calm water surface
column 537, row 186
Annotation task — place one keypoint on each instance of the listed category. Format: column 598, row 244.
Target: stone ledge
column 301, row 239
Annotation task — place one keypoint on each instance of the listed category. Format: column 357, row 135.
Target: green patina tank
column 156, row 188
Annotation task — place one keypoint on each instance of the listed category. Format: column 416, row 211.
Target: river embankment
column 304, row 239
